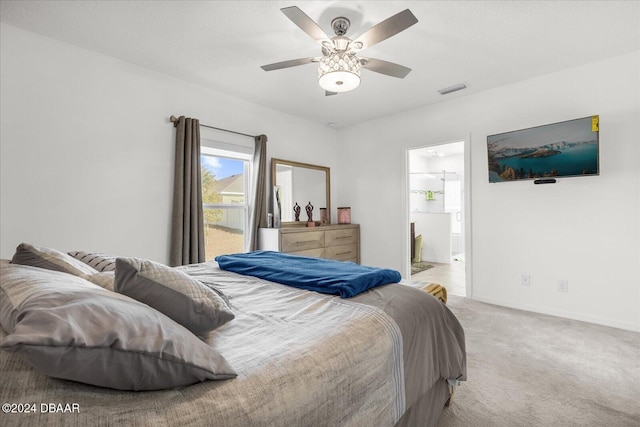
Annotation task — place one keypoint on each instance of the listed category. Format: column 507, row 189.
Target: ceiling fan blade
column 305, row 23
column 387, row 28
column 287, row 64
column 385, row 67
column 327, row 93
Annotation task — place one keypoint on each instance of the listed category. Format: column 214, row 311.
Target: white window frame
column 210, row 147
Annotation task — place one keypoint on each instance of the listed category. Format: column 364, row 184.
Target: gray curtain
column 187, row 223
column 258, row 216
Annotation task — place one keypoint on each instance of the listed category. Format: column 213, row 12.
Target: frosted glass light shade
column 339, row 72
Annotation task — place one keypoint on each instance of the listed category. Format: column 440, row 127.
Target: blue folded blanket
column 346, row 279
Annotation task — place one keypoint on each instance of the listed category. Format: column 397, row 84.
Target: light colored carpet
column 527, row 369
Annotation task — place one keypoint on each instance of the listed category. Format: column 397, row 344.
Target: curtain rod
column 173, row 119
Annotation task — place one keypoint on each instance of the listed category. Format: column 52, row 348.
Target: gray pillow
column 173, row 292
column 68, row 328
column 51, row 259
column 100, row 262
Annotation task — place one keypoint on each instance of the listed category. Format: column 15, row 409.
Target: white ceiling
column 222, row 44
column 451, row 148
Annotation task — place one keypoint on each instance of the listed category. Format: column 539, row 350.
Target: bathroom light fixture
column 339, row 72
column 434, row 153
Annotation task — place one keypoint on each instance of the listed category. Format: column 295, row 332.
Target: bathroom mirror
column 301, row 183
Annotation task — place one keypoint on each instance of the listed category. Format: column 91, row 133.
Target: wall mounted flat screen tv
column 556, row 150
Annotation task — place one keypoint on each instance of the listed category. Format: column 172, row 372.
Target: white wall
column 585, row 229
column 87, row 150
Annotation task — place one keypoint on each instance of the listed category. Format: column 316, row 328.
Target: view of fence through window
column 224, row 201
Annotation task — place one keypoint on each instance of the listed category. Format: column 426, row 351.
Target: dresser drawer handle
column 344, row 237
column 343, row 253
column 304, row 241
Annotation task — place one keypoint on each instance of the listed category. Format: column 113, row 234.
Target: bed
column 385, row 357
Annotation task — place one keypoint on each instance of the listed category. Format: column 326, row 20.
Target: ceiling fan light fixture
column 339, row 72
column 339, row 67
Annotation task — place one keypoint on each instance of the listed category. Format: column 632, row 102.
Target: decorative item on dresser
column 296, row 211
column 309, row 209
column 324, row 219
column 344, row 215
column 339, row 242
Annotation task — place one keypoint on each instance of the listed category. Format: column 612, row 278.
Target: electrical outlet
column 526, row 280
column 563, row 285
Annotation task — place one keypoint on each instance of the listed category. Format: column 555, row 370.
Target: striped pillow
column 98, row 261
column 50, row 259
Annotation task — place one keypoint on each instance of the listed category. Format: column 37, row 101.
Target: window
column 226, row 172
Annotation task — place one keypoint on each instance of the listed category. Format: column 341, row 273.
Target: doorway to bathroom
column 437, row 213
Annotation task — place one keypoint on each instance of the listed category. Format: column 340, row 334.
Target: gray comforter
column 302, row 358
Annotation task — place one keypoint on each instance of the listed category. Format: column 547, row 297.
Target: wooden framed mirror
column 301, row 183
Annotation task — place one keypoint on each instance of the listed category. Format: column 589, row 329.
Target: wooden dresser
column 339, row 242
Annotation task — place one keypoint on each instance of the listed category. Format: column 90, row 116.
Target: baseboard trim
column 559, row 313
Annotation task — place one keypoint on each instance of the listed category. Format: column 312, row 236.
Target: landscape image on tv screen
column 557, row 150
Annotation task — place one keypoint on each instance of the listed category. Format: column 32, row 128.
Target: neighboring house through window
column 226, row 178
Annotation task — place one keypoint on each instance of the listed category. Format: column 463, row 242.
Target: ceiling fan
column 339, row 66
